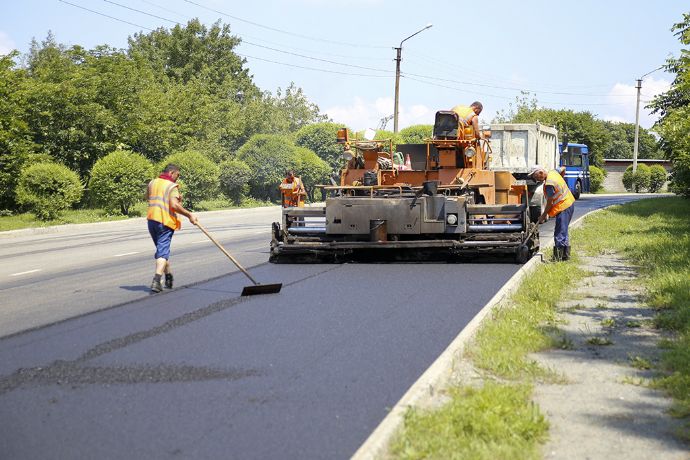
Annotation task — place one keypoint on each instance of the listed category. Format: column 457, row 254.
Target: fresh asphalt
column 200, row 372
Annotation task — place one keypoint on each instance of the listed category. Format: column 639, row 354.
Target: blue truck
column 575, row 158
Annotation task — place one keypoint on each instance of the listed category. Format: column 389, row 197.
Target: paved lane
column 202, row 373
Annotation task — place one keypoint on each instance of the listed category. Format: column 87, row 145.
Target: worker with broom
column 165, row 202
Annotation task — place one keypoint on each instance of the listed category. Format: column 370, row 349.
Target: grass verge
column 85, row 216
column 654, row 234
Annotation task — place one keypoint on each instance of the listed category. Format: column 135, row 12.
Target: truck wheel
column 578, row 190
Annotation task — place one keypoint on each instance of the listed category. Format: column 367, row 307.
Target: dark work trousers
column 560, row 231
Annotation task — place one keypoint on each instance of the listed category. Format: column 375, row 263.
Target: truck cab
column 575, row 158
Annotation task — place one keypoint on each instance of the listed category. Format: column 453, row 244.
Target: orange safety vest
column 562, row 199
column 291, row 193
column 159, row 203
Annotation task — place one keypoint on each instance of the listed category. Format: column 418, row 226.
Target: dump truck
column 442, row 202
column 517, row 148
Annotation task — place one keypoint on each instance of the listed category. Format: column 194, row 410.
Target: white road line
column 200, row 241
column 126, row 254
column 26, row 272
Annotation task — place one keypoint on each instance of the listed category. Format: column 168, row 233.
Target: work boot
column 557, row 254
column 168, row 281
column 566, row 253
column 156, row 285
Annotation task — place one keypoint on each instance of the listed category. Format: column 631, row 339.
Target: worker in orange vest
column 560, row 203
column 469, row 117
column 165, row 202
column 292, row 190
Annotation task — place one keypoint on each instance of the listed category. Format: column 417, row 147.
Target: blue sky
column 581, row 55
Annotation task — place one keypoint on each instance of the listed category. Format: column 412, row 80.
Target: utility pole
column 637, row 118
column 637, row 124
column 398, row 58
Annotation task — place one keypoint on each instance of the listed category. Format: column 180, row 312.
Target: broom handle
column 234, row 261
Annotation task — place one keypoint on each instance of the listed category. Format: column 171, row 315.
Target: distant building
column 615, row 167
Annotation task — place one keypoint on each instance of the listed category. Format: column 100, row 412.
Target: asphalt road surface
column 104, row 369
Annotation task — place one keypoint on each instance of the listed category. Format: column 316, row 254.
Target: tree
column 198, row 176
column 321, row 139
column 15, row 143
column 619, row 149
column 415, row 134
column 295, row 110
column 234, row 179
column 269, row 156
column 118, row 180
column 48, row 188
column 657, row 178
column 311, row 169
column 673, row 107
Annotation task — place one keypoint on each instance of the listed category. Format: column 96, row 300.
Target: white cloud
column 6, row 43
column 362, row 114
column 624, row 96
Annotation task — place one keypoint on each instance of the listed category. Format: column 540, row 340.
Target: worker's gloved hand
column 542, row 219
column 192, row 219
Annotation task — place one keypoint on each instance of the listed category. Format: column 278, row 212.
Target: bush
column 321, row 139
column 234, row 179
column 596, row 179
column 311, row 169
column 48, row 188
column 198, row 176
column 657, row 178
column 118, row 180
column 268, row 156
column 636, row 182
column 416, row 134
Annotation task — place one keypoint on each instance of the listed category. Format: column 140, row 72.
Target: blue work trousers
column 560, row 231
column 162, row 237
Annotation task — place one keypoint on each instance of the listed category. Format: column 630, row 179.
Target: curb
column 437, row 376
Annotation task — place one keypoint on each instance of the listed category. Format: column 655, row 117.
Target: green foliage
column 596, row 178
column 623, row 141
column 269, row 156
column 198, row 176
column 657, row 178
column 619, row 149
column 492, row 422
column 321, row 139
column 639, row 181
column 674, row 108
column 119, row 180
column 415, row 134
column 311, row 169
column 48, row 188
column 15, row 144
column 234, row 179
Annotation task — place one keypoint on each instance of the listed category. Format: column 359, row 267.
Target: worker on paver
column 469, row 118
column 165, row 202
column 292, row 190
column 560, row 203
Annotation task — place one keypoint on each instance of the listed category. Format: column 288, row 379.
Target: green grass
column 84, row 216
column 492, row 422
column 654, row 234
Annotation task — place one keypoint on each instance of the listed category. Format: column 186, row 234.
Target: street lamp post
column 637, row 118
column 397, row 76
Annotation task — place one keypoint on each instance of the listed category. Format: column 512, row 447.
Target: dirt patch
column 608, row 345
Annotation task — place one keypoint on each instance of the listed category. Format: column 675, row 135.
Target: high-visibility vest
column 562, row 198
column 465, row 114
column 159, row 203
column 291, row 193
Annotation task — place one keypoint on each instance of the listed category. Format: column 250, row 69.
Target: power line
column 139, row 11
column 318, row 59
column 307, row 37
column 106, row 15
column 311, row 68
